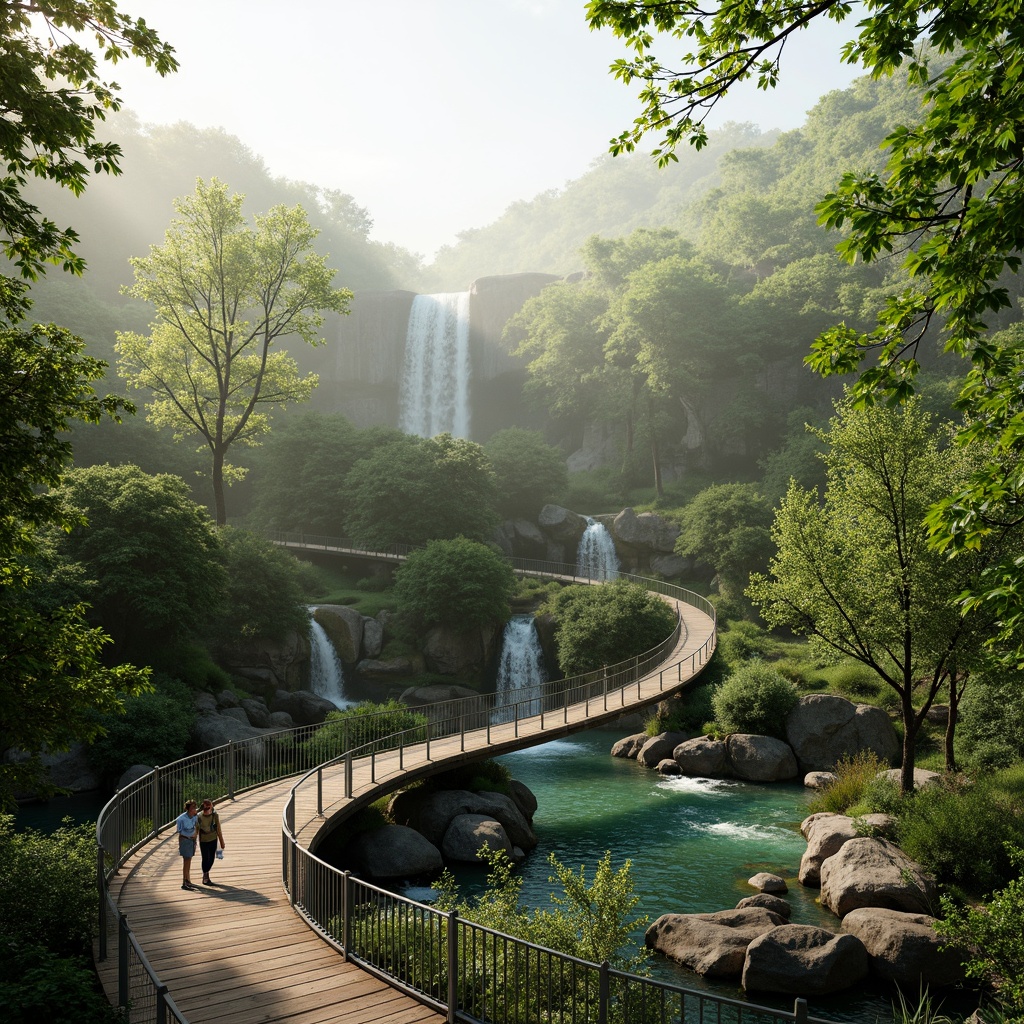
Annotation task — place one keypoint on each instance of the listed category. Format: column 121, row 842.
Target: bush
column 458, row 583
column 743, row 640
column 606, row 624
column 854, row 776
column 364, row 724
column 960, row 833
column 755, row 699
column 687, row 712
column 154, row 729
column 488, row 776
column 528, row 472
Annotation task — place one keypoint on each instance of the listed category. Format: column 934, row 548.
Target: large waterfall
column 521, row 666
column 326, row 678
column 595, row 556
column 434, row 397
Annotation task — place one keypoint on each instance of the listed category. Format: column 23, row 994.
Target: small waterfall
column 521, row 666
column 326, row 678
column 434, row 396
column 595, row 556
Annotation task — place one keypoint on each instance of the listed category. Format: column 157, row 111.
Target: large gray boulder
column 437, row 693
column 524, row 798
column 645, row 530
column 269, row 665
column 922, row 777
column 713, row 945
column 305, row 708
column 561, row 524
column 215, row 730
column 430, row 813
column 629, row 746
column 133, row 774
column 373, row 637
column 824, row 728
column 344, row 626
column 468, row 833
column 760, row 758
column 658, row 748
column 776, row 904
column 238, row 715
column 801, row 960
column 826, row 833
column 390, row 668
column 461, row 653
column 874, row 873
column 904, row 948
column 256, row 712
column 394, row 851
column 71, row 769
column 702, row 757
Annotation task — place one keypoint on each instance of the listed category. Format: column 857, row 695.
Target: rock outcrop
column 468, row 833
column 824, row 728
column 702, row 757
column 394, row 851
column 714, row 945
column 658, row 748
column 760, row 758
column 798, row 959
column 904, row 948
column 874, row 873
column 629, row 746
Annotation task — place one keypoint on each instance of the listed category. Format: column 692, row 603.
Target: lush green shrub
column 755, row 699
column 528, row 471
column 960, row 832
column 458, row 583
column 854, row 775
column 994, row 933
column 154, row 729
column 367, row 723
column 856, row 681
column 687, row 712
column 606, row 624
column 990, row 729
column 743, row 640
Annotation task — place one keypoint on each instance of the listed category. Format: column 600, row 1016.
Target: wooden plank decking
column 238, row 953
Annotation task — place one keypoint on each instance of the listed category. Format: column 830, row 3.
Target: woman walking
column 186, row 825
column 209, row 835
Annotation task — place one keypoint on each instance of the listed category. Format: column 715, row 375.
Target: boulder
column 256, row 712
column 938, row 714
column 204, row 702
column 461, row 653
column 560, row 524
column 211, row 731
column 394, row 851
column 702, row 757
column 344, row 626
column 825, row 835
column 421, row 696
column 373, row 637
column 281, row 720
column 528, row 541
column 776, row 904
column 524, row 798
column 237, row 714
column 270, row 664
column 659, row 747
column 874, row 873
column 467, row 833
column 647, row 530
column 713, row 945
column 904, row 948
column 765, row 881
column 668, row 767
column 760, row 758
column 400, row 667
column 824, row 728
column 819, row 780
column 68, row 769
column 305, row 708
column 228, row 699
column 629, row 746
column 669, row 566
column 801, row 960
column 922, row 777
column 430, row 813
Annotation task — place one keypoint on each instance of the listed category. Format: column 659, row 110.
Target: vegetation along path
column 239, row 952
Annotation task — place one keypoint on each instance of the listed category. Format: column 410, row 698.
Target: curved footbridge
column 284, row 937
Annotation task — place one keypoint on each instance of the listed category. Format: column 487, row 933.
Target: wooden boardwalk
column 238, row 953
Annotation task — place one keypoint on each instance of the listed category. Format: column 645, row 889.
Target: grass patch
column 853, row 776
column 362, row 593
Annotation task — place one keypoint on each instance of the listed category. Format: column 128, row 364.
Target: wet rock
column 798, row 959
column 702, row 757
column 765, row 881
column 629, row 746
column 776, row 904
column 658, row 748
column 468, row 833
column 394, row 851
column 760, row 758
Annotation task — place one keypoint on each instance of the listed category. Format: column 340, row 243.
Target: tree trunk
column 218, row 487
column 659, row 489
column 954, row 711
column 909, row 740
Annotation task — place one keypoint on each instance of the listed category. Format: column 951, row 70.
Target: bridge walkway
column 238, row 953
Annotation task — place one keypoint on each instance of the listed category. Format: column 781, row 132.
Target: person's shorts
column 186, row 846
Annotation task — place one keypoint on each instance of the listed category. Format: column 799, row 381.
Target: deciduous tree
column 224, row 293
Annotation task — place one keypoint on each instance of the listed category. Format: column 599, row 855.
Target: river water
column 693, row 844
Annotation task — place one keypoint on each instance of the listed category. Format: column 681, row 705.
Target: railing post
column 348, row 774
column 453, row 965
column 346, row 912
column 102, row 888
column 122, row 960
column 799, row 1011
column 428, row 739
column 161, row 1004
column 603, row 994
column 154, row 800
column 604, row 685
column 320, row 791
column 231, row 769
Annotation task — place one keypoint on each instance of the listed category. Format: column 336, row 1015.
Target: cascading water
column 326, row 678
column 434, row 396
column 521, row 667
column 595, row 556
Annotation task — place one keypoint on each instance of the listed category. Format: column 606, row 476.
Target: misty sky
column 435, row 115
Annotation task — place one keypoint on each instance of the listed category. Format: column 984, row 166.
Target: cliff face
column 360, row 367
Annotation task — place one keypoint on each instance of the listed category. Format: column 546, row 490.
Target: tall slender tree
column 224, row 293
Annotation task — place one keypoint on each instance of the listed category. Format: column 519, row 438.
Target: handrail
column 145, row 808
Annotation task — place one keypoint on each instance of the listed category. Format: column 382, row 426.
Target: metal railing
column 142, row 810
